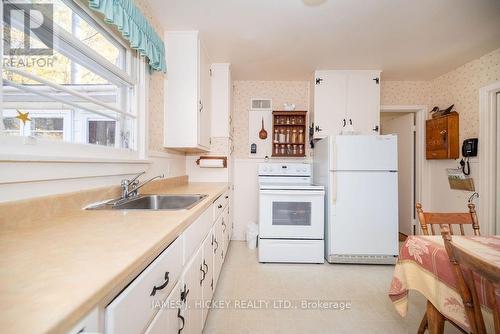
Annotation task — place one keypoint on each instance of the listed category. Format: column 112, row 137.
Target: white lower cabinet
column 218, row 247
column 173, row 294
column 169, row 318
column 131, row 311
column 208, row 276
column 191, row 295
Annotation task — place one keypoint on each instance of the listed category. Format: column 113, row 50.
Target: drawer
column 220, row 203
column 196, row 232
column 167, row 319
column 89, row 324
column 131, row 310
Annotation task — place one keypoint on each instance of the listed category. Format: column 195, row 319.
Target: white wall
column 22, row 180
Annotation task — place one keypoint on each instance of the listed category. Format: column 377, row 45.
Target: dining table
column 424, row 266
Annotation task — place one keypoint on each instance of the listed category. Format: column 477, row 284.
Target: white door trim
column 487, row 154
column 422, row 182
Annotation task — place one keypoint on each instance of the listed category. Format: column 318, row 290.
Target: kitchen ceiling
column 288, row 39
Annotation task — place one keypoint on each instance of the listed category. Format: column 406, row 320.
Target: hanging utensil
column 262, row 132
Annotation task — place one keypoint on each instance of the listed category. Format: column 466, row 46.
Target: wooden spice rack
column 289, row 135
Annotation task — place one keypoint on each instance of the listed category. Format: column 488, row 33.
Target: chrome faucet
column 130, row 187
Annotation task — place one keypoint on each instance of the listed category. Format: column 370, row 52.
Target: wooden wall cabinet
column 442, row 137
column 289, row 133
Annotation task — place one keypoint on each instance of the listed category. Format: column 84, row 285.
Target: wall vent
column 261, row 104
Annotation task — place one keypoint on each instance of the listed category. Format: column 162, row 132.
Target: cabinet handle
column 219, row 206
column 205, row 264
column 318, row 129
column 227, row 196
column 182, row 319
column 224, row 226
column 204, row 273
column 216, row 245
column 184, row 293
column 156, row 288
column 201, row 106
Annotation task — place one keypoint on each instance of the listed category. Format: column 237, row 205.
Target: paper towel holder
column 208, row 157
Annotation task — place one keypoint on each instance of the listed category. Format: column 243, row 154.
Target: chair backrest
column 430, row 219
column 465, row 266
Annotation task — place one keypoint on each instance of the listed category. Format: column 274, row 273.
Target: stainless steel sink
column 151, row 202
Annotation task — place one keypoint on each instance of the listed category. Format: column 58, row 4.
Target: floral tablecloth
column 424, row 266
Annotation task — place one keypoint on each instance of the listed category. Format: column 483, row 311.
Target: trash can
column 251, row 235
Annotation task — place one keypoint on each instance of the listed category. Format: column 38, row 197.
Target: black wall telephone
column 469, row 149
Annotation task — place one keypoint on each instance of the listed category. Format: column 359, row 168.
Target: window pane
column 102, row 132
column 60, row 115
column 11, row 126
column 51, row 128
column 88, row 32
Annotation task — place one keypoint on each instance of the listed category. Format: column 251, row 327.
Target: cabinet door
column 204, row 121
column 217, row 249
column 330, row 93
column 208, row 275
column 192, row 295
column 169, row 319
column 363, row 101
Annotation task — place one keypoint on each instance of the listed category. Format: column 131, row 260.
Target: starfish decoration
column 24, row 117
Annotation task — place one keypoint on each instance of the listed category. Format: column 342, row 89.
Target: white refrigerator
column 359, row 173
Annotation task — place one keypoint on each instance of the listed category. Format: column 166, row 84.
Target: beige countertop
column 54, row 272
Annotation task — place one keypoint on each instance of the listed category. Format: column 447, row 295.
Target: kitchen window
column 90, row 91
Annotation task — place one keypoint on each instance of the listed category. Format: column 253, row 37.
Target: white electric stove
column 291, row 214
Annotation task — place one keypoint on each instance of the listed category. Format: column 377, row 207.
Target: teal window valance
column 135, row 28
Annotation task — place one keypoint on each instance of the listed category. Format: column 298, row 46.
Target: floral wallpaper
column 461, row 87
column 296, row 92
column 405, row 92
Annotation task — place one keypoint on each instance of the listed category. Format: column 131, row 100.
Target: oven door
column 293, row 214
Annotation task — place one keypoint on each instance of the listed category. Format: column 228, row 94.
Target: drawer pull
column 182, row 319
column 184, row 293
column 216, row 245
column 204, row 274
column 205, row 264
column 219, row 206
column 156, row 288
column 227, row 196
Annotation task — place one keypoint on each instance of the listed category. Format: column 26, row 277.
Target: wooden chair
column 465, row 262
column 430, row 219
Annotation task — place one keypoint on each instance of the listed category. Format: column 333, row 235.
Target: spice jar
column 294, row 136
column 301, row 136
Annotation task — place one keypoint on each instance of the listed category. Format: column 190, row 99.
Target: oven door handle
column 292, row 192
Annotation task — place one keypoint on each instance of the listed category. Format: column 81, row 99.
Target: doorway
column 497, row 190
column 402, row 124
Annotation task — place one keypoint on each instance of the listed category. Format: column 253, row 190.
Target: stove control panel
column 279, row 169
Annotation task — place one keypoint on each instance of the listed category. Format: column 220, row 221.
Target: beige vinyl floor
column 280, row 298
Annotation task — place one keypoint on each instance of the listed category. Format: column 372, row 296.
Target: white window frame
column 35, row 149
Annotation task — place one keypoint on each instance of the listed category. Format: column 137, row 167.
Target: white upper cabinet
column 187, row 100
column 350, row 95
column 221, row 99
